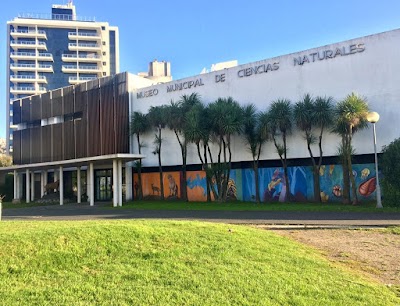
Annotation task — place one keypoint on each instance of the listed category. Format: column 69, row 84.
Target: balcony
column 80, row 69
column 84, row 47
column 31, row 67
column 20, row 78
column 81, row 58
column 29, row 33
column 40, row 45
column 76, row 80
column 27, row 90
column 83, row 35
column 31, row 56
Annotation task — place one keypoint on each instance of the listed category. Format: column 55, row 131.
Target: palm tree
column 139, row 125
column 226, row 119
column 280, row 122
column 351, row 117
column 198, row 131
column 157, row 117
column 255, row 136
column 309, row 115
column 176, row 121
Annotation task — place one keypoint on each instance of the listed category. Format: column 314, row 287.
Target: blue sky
column 195, row 34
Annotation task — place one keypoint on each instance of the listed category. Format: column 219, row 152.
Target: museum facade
column 86, row 126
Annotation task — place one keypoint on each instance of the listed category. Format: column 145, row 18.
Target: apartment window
column 104, row 53
column 103, row 28
column 104, row 43
column 104, row 74
column 104, row 63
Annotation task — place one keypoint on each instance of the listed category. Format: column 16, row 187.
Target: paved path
column 84, row 212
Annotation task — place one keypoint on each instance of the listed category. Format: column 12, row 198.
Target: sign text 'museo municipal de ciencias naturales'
column 262, row 68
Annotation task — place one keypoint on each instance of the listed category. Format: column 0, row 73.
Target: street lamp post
column 373, row 117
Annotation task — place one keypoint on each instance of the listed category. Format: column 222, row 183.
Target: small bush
column 390, row 165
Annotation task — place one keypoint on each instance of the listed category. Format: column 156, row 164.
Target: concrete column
column 115, row 183
column 20, row 184
column 15, row 184
column 42, row 184
column 61, row 188
column 78, row 185
column 33, row 186
column 128, row 182
column 91, row 186
column 45, row 174
column 120, row 182
column 28, row 186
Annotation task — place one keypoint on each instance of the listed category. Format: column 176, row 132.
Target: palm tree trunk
column 317, row 189
column 140, row 189
column 346, row 178
column 160, row 167
column 256, row 180
column 353, row 181
column 288, row 196
column 208, row 181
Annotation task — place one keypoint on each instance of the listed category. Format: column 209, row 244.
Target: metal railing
column 81, row 67
column 64, row 17
column 28, row 77
column 33, row 32
column 84, row 34
column 16, row 42
column 89, row 56
column 74, row 78
column 83, row 45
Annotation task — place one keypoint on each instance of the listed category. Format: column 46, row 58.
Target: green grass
column 250, row 206
column 169, row 263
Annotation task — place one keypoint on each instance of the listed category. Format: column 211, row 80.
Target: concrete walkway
column 100, row 211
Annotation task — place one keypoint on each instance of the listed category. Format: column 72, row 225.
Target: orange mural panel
column 151, row 185
column 197, row 186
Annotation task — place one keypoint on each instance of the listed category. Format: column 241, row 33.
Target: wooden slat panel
column 107, row 116
column 17, row 147
column 26, row 110
column 121, row 114
column 57, row 142
column 80, row 98
column 25, row 146
column 36, row 141
column 94, row 132
column 46, row 105
column 36, row 108
column 46, row 143
column 80, row 137
column 69, row 140
column 17, row 112
column 68, row 94
column 57, row 103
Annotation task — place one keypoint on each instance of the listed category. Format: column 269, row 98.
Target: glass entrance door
column 103, row 185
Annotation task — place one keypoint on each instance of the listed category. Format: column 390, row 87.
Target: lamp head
column 373, row 117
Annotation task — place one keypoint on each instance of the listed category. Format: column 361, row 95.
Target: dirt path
column 372, row 252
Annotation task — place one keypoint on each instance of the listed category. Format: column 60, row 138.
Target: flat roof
column 78, row 162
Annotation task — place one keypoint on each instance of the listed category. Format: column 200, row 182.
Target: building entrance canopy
column 115, row 159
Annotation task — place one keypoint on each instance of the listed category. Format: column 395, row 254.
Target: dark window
column 104, row 63
column 103, row 28
column 104, row 43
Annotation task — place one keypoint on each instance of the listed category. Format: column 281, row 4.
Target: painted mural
column 241, row 184
column 331, row 178
column 151, row 185
column 272, row 184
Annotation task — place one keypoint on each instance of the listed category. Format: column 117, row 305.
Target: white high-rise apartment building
column 56, row 50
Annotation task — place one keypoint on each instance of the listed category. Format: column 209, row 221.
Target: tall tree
column 314, row 116
column 198, row 131
column 158, row 119
column 176, row 121
column 255, row 135
column 226, row 119
column 351, row 116
column 280, row 116
column 139, row 125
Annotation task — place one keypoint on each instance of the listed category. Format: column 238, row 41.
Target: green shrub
column 390, row 165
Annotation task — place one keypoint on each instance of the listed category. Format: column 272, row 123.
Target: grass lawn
column 169, row 263
column 246, row 206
